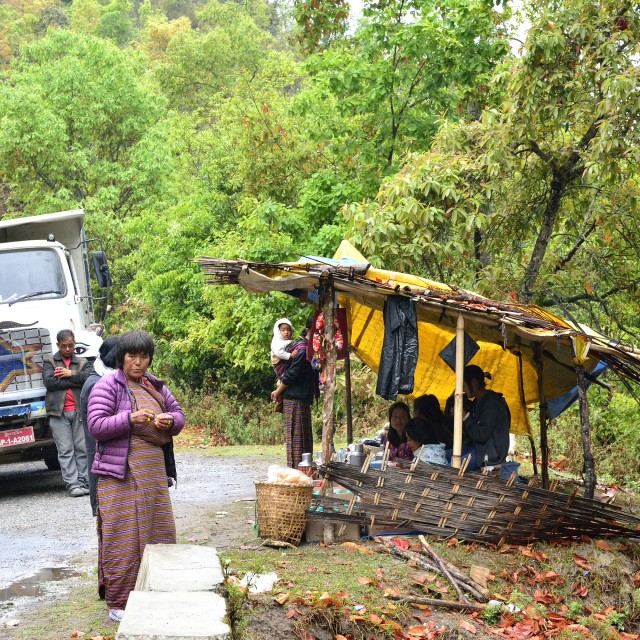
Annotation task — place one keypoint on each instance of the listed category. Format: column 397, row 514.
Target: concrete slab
column 182, row 615
column 180, row 567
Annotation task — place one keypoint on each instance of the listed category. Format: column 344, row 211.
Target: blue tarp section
column 556, row 406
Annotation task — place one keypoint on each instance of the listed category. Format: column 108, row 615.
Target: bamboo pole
column 589, row 463
column 459, row 393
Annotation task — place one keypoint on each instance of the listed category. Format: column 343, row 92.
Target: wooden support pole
column 329, row 370
column 459, row 393
column 544, row 416
column 589, row 463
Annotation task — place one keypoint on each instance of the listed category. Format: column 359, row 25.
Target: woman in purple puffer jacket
column 131, row 415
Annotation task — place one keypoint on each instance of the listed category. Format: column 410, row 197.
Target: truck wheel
column 52, row 464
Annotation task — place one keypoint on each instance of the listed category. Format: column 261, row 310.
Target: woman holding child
column 297, row 388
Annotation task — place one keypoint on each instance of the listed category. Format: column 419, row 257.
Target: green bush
column 615, row 438
column 239, row 419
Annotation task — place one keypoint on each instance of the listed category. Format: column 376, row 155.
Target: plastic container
column 306, row 465
column 508, row 468
column 357, row 456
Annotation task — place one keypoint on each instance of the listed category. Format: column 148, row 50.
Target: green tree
column 539, row 198
column 409, row 64
column 79, row 127
column 116, row 22
column 85, row 15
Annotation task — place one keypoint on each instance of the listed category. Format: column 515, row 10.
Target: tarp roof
column 508, row 333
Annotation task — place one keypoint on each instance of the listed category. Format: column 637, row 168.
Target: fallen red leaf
column 365, row 581
column 401, row 543
column 551, row 577
column 529, row 553
column 579, row 590
column 582, row 562
column 604, row 545
column 467, row 625
column 375, row 619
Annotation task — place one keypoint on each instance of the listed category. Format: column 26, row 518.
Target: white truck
column 44, row 287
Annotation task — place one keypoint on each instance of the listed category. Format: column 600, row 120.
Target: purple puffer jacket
column 108, row 421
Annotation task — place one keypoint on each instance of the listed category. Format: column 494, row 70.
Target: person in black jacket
column 487, row 421
column 63, row 375
column 298, row 387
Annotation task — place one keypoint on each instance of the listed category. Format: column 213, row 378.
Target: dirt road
column 42, row 528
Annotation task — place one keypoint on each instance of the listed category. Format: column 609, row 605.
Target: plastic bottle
column 342, row 455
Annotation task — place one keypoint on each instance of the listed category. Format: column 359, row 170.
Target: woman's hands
column 142, row 416
column 162, row 421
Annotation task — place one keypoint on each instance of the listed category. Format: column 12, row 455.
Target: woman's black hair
column 393, row 436
column 108, row 351
column 428, row 406
column 474, row 372
column 417, row 429
column 134, row 342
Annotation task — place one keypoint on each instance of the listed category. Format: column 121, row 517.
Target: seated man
column 487, row 421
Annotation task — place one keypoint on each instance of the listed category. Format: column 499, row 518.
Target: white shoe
column 116, row 614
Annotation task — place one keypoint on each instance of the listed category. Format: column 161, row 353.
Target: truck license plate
column 16, row 436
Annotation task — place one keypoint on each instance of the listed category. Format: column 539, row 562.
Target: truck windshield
column 30, row 274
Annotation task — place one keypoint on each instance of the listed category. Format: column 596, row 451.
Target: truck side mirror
column 101, row 267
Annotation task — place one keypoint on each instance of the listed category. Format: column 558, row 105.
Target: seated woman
column 428, row 408
column 399, row 415
column 418, row 438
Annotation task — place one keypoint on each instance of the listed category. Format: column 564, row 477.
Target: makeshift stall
column 534, row 356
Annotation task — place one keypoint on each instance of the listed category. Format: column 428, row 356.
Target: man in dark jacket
column 64, row 374
column 298, row 386
column 487, row 421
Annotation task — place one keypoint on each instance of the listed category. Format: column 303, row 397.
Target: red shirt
column 69, row 400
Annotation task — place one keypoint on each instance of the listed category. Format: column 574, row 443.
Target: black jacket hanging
column 399, row 349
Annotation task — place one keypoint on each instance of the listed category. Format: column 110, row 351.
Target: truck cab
column 44, row 287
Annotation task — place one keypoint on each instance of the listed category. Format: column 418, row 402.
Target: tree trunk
column 544, row 236
column 589, row 463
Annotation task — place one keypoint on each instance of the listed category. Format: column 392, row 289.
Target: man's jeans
column 72, row 452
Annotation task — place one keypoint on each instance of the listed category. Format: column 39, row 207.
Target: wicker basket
column 282, row 510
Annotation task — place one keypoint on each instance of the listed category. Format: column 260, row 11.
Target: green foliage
column 115, row 22
column 79, row 128
column 614, row 436
column 492, row 614
column 237, row 418
column 538, row 192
